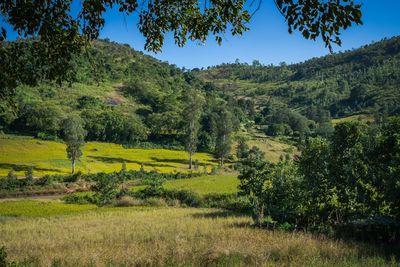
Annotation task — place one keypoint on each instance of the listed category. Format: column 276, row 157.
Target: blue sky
column 267, row 40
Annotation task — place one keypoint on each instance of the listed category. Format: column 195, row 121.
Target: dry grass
column 169, row 236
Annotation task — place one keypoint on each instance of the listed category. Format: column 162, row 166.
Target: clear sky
column 268, row 39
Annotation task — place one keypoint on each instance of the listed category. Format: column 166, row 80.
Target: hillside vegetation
column 303, row 98
column 124, row 96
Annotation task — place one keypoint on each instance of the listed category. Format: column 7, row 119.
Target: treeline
column 349, row 180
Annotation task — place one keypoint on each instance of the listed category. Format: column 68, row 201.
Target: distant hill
column 363, row 80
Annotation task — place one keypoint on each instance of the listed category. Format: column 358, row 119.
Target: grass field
column 164, row 236
column 48, row 157
column 203, row 185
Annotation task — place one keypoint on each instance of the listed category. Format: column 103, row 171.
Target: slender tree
column 194, row 101
column 224, row 130
column 74, row 137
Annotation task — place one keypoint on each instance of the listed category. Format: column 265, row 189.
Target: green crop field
column 49, row 157
column 162, row 236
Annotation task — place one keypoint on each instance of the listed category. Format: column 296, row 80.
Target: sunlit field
column 162, row 236
column 49, row 157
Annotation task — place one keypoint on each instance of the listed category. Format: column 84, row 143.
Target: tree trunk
column 261, row 217
column 190, row 160
column 73, row 166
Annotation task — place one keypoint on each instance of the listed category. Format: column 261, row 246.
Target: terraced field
column 49, row 157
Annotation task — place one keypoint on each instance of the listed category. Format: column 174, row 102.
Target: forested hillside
column 124, row 96
column 304, row 97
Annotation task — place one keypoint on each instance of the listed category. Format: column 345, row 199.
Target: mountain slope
column 364, row 80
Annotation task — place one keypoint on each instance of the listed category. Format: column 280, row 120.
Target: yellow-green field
column 203, row 185
column 164, row 237
column 48, row 157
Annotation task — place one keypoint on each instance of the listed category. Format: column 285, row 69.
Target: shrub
column 79, row 199
column 28, row 181
column 186, row 197
column 44, row 180
column 73, row 177
column 127, row 201
column 156, row 202
column 105, row 189
column 11, row 182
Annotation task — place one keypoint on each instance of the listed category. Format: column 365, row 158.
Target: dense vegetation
column 302, row 98
column 349, row 180
column 122, row 96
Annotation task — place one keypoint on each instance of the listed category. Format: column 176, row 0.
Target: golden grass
column 169, row 236
column 48, row 157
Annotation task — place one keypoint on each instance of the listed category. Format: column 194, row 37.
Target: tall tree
column 74, row 137
column 255, row 174
column 194, row 102
column 224, row 131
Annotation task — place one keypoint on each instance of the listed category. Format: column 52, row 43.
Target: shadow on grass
column 184, row 161
column 123, row 160
column 24, row 167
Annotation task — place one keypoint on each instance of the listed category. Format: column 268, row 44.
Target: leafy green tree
column 255, row 180
column 224, row 129
column 105, row 188
column 194, row 102
column 242, row 148
column 29, row 176
column 74, row 137
column 387, row 156
column 284, row 196
column 42, row 117
column 318, row 195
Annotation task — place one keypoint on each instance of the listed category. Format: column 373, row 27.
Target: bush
column 73, row 177
column 46, row 136
column 79, row 199
column 44, row 180
column 156, row 202
column 3, row 257
column 11, row 182
column 127, row 201
column 228, row 201
column 105, row 189
column 186, row 197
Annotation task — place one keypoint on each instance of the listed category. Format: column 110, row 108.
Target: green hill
column 361, row 81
